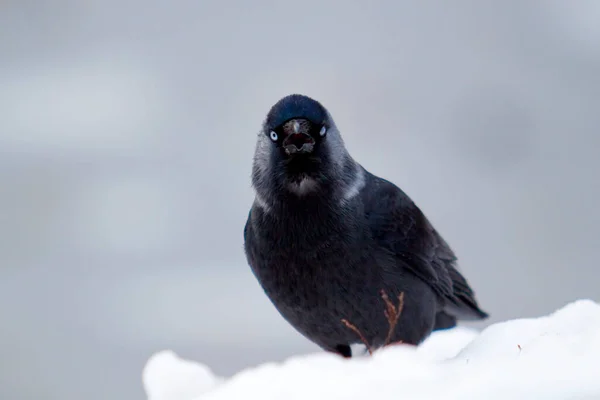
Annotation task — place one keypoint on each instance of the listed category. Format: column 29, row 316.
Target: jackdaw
column 325, row 237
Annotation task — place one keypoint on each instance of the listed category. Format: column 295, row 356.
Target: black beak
column 299, row 143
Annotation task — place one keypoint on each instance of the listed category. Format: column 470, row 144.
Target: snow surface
column 552, row 357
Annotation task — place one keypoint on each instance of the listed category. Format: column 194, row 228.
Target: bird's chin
column 302, row 164
column 302, row 173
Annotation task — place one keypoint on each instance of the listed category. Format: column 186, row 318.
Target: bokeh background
column 127, row 130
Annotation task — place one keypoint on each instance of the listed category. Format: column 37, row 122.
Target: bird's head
column 297, row 125
column 299, row 148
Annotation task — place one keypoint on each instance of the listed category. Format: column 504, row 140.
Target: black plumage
column 324, row 237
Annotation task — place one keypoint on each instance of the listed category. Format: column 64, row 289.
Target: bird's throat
column 303, row 185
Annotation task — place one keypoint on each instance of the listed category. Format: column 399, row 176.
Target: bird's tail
column 444, row 321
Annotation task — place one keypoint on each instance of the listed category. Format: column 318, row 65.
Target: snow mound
column 166, row 376
column 551, row 357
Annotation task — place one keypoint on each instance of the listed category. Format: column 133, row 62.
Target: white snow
column 552, row 357
column 166, row 376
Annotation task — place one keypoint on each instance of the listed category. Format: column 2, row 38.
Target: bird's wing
column 398, row 225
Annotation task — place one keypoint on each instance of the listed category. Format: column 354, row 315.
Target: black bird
column 324, row 237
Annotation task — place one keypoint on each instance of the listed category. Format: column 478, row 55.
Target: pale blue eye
column 323, row 131
column 274, row 136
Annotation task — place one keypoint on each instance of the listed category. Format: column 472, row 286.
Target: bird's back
column 400, row 227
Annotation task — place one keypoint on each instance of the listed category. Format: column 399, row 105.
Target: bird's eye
column 323, row 131
column 274, row 136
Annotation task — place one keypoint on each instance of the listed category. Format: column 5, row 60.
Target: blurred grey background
column 127, row 130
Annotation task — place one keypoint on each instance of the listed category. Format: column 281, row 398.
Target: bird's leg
column 359, row 333
column 392, row 313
